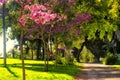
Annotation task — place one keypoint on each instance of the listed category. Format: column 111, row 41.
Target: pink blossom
column 49, row 11
column 42, row 7
column 34, row 15
column 53, row 16
column 43, row 21
column 26, row 7
column 30, row 36
column 48, row 18
column 2, row 1
column 39, row 14
column 22, row 20
column 29, row 1
column 37, row 21
column 34, row 7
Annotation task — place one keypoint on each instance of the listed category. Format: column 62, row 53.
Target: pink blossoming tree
column 48, row 18
column 35, row 15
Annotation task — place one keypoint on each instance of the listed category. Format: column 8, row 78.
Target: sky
column 9, row 44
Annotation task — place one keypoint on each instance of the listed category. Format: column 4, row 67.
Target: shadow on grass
column 61, row 69
column 11, row 71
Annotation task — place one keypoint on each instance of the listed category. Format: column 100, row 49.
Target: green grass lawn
column 35, row 70
column 116, row 66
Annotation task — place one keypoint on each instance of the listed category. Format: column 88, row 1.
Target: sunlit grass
column 35, row 70
column 116, row 66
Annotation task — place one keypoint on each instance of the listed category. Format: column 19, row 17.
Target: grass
column 116, row 66
column 35, row 70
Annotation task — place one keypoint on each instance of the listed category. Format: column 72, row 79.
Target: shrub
column 86, row 56
column 118, row 59
column 63, row 60
column 58, row 59
column 110, row 59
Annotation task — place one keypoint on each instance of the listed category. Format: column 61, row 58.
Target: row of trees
column 43, row 21
column 70, row 23
column 66, row 26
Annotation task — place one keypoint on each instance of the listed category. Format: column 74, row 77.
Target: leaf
column 110, row 35
column 102, row 33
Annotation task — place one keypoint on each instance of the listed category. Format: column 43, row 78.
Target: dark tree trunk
column 13, row 53
column 32, row 53
column 79, row 51
column 76, row 52
column 38, row 49
column 95, row 46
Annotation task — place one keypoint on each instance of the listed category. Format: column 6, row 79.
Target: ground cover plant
column 35, row 70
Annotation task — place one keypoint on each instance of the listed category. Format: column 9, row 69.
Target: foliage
column 63, row 60
column 77, row 43
column 118, row 59
column 66, row 10
column 45, row 19
column 14, row 52
column 86, row 56
column 105, row 18
column 71, row 23
column 110, row 59
column 58, row 59
column 35, row 69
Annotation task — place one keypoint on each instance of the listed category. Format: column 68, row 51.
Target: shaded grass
column 35, row 70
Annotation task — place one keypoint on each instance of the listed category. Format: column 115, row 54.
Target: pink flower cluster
column 22, row 20
column 2, row 1
column 39, row 14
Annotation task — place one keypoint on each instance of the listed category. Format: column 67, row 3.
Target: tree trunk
column 45, row 56
column 32, row 53
column 13, row 53
column 79, row 51
column 22, row 54
column 56, row 47
column 76, row 52
column 95, row 46
column 38, row 49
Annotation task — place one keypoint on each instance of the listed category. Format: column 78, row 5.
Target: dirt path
column 98, row 72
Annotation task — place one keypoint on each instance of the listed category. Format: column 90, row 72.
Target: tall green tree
column 103, row 25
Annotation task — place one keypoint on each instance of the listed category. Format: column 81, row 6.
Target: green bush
column 110, row 59
column 63, row 60
column 58, row 59
column 86, row 56
column 118, row 59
